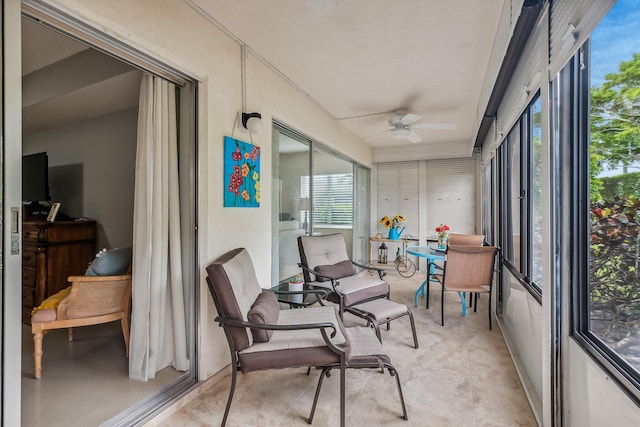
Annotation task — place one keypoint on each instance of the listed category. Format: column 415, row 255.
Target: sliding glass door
column 292, row 202
column 317, row 192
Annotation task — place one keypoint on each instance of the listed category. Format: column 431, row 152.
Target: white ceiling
column 365, row 57
column 43, row 52
column 358, row 59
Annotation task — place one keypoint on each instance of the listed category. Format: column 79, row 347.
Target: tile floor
column 461, row 375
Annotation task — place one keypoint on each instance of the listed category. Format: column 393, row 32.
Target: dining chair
column 466, row 239
column 262, row 337
column 467, row 269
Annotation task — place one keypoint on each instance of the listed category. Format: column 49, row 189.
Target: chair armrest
column 272, row 327
column 95, row 296
column 381, row 271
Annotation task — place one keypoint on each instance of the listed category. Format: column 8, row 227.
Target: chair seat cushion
column 53, row 301
column 337, row 271
column 356, row 288
column 265, row 310
column 284, row 347
column 44, row 315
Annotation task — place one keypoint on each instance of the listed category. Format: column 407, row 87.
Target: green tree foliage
column 615, row 116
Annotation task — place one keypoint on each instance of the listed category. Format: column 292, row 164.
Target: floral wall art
column 241, row 174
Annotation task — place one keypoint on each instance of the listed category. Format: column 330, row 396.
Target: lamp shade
column 400, row 132
column 252, row 122
column 304, row 204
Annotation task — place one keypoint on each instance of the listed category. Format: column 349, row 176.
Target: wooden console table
column 51, row 252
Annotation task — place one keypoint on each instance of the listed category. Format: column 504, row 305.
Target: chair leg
column 442, row 306
column 37, row 354
column 394, row 373
column 413, row 329
column 475, row 302
column 427, row 284
column 489, row 308
column 343, row 392
column 325, row 372
column 125, row 333
column 70, row 334
column 234, row 373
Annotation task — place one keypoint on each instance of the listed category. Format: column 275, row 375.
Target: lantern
column 382, row 254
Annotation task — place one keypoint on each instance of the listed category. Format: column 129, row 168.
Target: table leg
column 464, row 303
column 420, row 291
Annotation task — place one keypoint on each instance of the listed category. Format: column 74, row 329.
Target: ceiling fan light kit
column 400, row 132
column 401, row 125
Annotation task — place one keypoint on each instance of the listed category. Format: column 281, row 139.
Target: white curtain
column 158, row 325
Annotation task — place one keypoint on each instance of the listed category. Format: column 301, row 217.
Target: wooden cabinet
column 51, row 252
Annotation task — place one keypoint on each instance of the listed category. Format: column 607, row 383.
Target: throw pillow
column 265, row 310
column 112, row 262
column 336, row 271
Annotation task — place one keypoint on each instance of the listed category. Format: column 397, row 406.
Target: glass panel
column 292, row 205
column 487, row 201
column 361, row 227
column 513, row 197
column 536, row 191
column 333, row 196
column 614, row 266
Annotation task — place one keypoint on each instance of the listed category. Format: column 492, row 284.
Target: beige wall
column 91, row 171
column 176, row 34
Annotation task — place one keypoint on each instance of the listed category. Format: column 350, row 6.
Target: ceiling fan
column 402, row 123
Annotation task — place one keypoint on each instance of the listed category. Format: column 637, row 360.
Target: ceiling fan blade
column 435, row 126
column 414, row 137
column 409, row 119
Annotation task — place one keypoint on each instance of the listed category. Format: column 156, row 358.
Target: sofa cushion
column 265, row 310
column 112, row 262
column 336, row 271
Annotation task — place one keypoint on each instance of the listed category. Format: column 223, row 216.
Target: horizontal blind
column 451, row 195
column 332, row 198
column 398, row 194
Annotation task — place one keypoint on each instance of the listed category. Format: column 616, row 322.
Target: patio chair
column 466, row 239
column 325, row 264
column 262, row 337
column 467, row 269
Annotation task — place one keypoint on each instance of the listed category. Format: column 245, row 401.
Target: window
column 487, row 205
column 521, row 191
column 601, row 143
column 332, row 198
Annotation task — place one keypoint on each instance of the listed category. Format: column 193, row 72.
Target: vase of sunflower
column 393, row 224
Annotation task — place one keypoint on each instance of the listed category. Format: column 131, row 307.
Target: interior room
column 80, row 110
column 452, row 184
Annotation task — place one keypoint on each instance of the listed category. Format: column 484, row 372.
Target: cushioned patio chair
column 325, row 264
column 261, row 336
column 467, row 269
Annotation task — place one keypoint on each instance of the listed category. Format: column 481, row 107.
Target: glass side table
column 309, row 296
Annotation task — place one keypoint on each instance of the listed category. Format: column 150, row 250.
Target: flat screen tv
column 35, row 177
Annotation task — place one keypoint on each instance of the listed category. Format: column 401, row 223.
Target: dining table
column 432, row 254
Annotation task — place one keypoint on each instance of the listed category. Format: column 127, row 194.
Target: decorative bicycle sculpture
column 404, row 266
